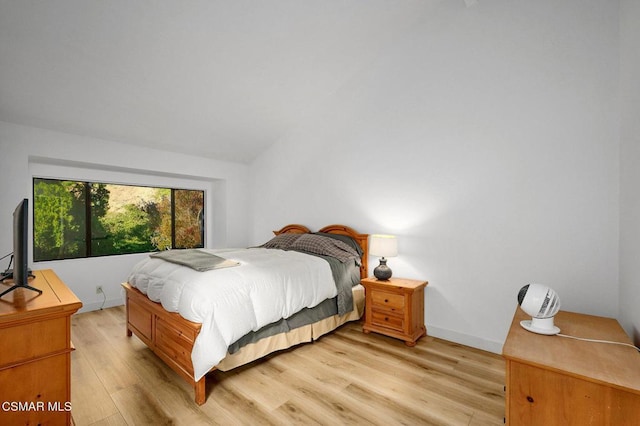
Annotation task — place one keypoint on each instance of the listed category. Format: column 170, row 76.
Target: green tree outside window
column 118, row 219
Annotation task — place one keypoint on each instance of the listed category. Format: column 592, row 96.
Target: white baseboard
column 441, row 333
column 465, row 339
column 88, row 307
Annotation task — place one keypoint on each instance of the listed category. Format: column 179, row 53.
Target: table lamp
column 383, row 246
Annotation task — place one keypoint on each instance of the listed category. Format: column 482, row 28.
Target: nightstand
column 395, row 308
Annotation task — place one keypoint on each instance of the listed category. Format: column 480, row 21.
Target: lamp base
column 382, row 271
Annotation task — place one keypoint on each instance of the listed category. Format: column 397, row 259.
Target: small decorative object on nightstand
column 383, row 246
column 395, row 308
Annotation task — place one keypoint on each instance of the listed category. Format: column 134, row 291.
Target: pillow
column 319, row 244
column 282, row 241
column 345, row 239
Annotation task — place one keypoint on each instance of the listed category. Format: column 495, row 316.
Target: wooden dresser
column 35, row 352
column 553, row 380
column 395, row 308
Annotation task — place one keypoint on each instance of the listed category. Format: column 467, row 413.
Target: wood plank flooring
column 346, row 377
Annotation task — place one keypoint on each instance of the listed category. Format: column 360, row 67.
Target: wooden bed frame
column 171, row 337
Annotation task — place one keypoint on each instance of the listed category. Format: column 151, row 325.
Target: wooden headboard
column 293, row 229
column 361, row 239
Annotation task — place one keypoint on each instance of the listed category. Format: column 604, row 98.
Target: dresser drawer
column 24, row 342
column 385, row 319
column 175, row 342
column 388, row 301
column 45, row 382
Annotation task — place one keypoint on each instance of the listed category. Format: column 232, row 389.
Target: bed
column 183, row 339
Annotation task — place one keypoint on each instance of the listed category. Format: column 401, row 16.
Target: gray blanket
column 195, row 259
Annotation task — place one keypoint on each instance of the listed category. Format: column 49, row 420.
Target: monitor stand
column 9, row 274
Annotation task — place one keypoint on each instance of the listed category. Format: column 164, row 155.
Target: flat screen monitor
column 20, row 273
column 20, row 243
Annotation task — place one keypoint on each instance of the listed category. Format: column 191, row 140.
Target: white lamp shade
column 383, row 245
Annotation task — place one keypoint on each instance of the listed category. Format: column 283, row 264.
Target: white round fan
column 542, row 303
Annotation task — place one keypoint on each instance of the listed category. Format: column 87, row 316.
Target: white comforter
column 268, row 285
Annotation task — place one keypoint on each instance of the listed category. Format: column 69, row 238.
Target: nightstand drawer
column 385, row 300
column 384, row 319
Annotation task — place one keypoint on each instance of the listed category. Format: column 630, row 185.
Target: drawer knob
column 529, row 399
column 386, row 300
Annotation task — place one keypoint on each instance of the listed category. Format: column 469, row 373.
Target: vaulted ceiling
column 218, row 78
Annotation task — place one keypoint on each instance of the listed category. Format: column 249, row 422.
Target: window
column 86, row 219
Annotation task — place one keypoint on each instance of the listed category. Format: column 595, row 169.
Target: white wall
column 26, row 152
column 630, row 172
column 487, row 140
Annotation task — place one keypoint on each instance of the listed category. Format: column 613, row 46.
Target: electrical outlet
column 99, row 289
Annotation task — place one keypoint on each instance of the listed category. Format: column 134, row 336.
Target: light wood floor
column 346, row 377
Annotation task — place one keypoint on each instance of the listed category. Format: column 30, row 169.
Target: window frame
column 88, row 241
